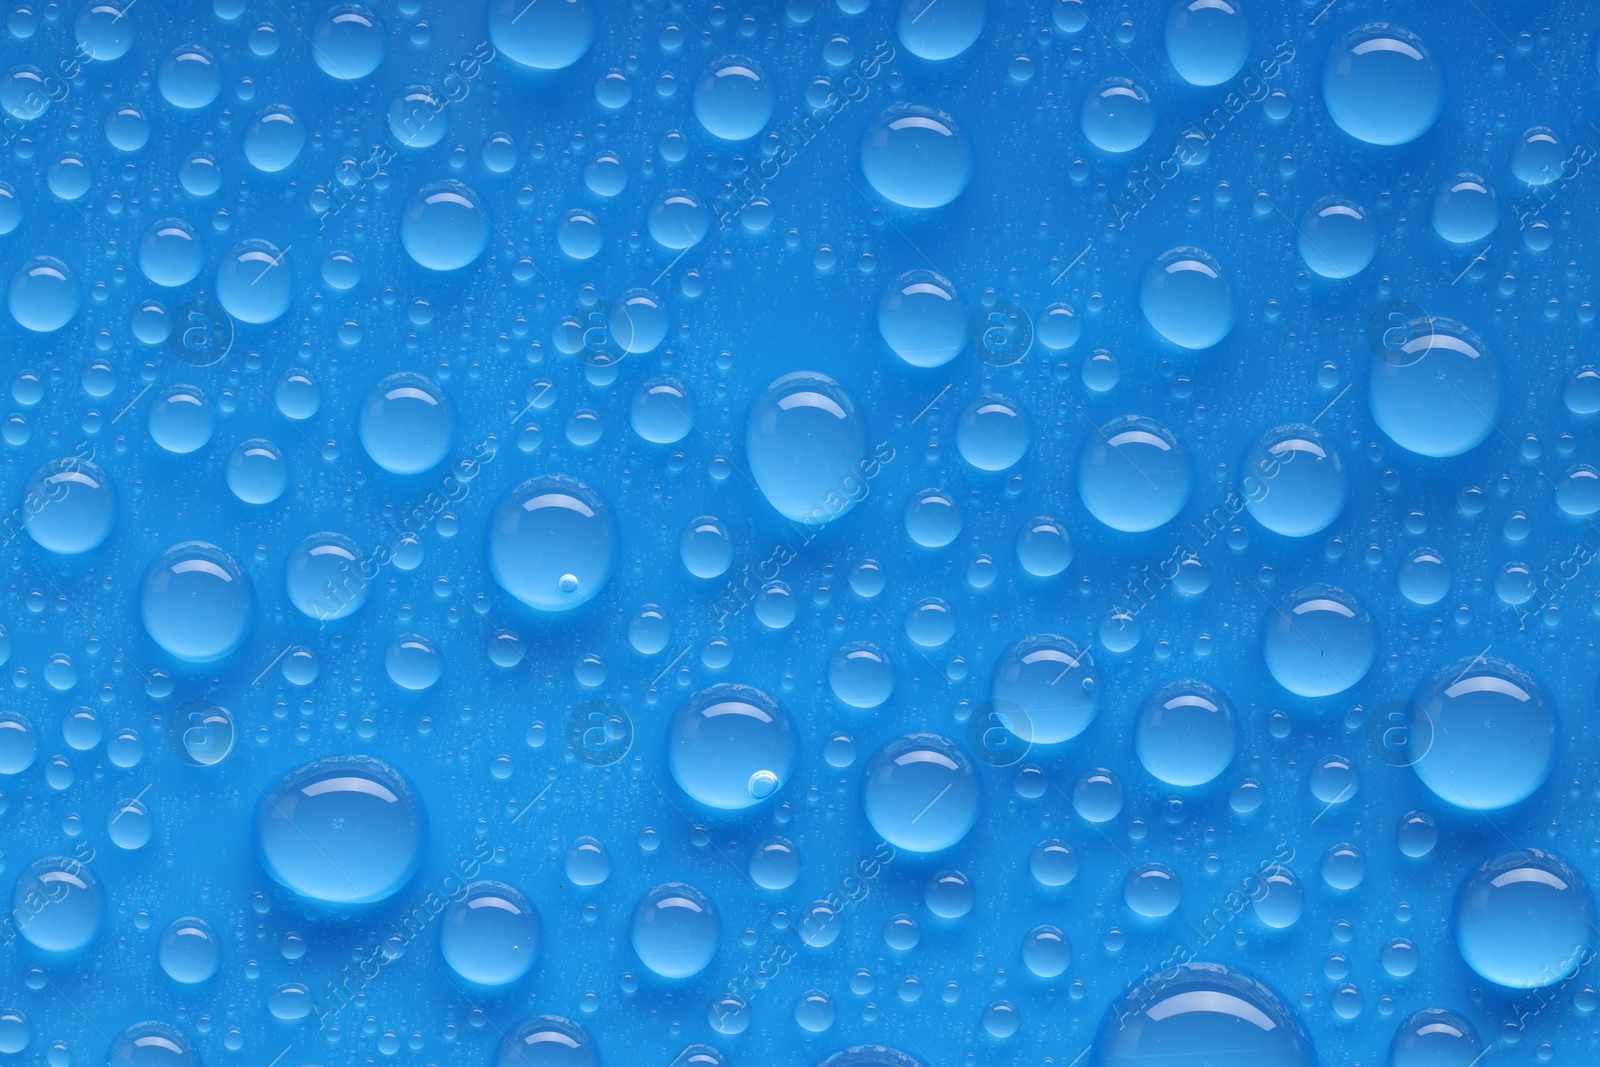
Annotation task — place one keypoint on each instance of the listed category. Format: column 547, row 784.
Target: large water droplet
column 196, row 603
column 407, row 424
column 1524, row 919
column 1319, row 641
column 922, row 319
column 1204, row 1014
column 349, row 42
column 1484, row 734
column 491, row 935
column 940, row 30
column 916, row 156
column 723, row 738
column 807, row 447
column 1293, row 481
column 1045, row 690
column 70, row 506
column 1381, row 85
column 1188, row 298
column 1133, row 475
column 543, row 34
column 1117, row 116
column 547, row 1040
column 344, row 830
column 43, row 296
column 552, row 543
column 1207, row 40
column 733, row 98
column 921, row 793
column 1436, row 390
column 189, row 951
column 58, row 904
column 1186, row 734
column 444, row 226
column 255, row 282
column 675, row 930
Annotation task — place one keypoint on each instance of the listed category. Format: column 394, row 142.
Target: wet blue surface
column 563, row 532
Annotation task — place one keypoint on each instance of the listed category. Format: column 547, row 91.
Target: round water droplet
column 1337, row 238
column 922, row 319
column 588, row 862
column 678, row 219
column 1133, row 475
column 1493, row 734
column 807, row 447
column 916, row 156
column 325, row 578
column 1207, row 40
column 171, row 253
column 1186, row 734
column 413, row 663
column 190, row 78
column 993, row 433
column 18, row 743
column 152, row 1044
column 1465, row 210
column 257, row 471
column 15, row 1031
column 1152, row 890
column 1437, row 390
column 1187, row 297
column 1205, row 1013
column 444, row 226
column 58, row 904
column 775, row 864
column 940, row 31
column 1044, row 548
column 731, row 746
column 419, row 116
column 1381, row 85
column 949, row 894
column 1279, row 900
column 196, row 603
column 407, row 424
column 344, row 830
column 103, row 30
column 932, row 519
column 182, row 420
column 43, row 296
column 349, row 42
column 189, row 951
column 861, row 674
column 547, row 1040
column 1046, row 951
column 706, row 547
column 1319, row 641
column 921, row 793
column 274, row 139
column 543, row 34
column 1524, row 919
column 662, row 411
column 255, row 282
column 1045, row 689
column 815, row 1012
column 70, row 506
column 675, row 930
column 200, row 733
column 1117, row 116
column 1293, row 481
column 552, row 543
column 491, row 935
column 129, row 825
column 733, row 98
column 1435, row 1037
